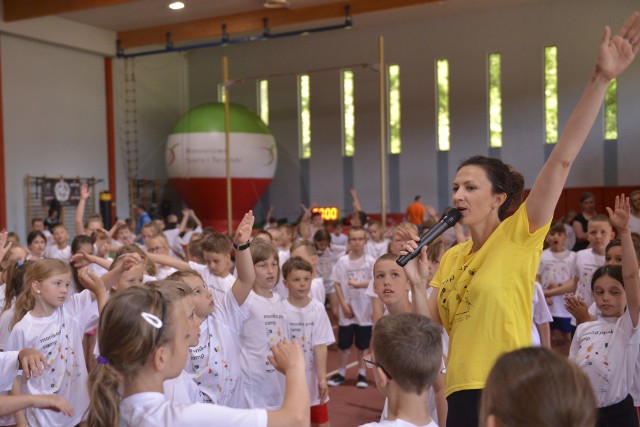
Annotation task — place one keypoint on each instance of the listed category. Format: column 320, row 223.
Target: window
column 393, row 76
column 304, row 101
column 442, row 108
column 551, row 94
column 348, row 114
column 611, row 111
column 221, row 92
column 495, row 102
column 263, row 100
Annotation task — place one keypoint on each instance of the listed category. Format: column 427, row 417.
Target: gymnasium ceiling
column 145, row 22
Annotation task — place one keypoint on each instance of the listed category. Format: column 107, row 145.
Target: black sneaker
column 362, row 382
column 336, row 380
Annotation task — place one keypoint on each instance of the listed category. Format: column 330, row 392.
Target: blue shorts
column 562, row 324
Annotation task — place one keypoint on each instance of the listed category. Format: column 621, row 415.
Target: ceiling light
column 276, row 4
column 176, row 5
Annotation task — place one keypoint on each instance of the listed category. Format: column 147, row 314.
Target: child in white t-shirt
column 216, row 273
column 263, row 325
column 607, row 348
column 351, row 276
column 406, row 358
column 376, row 245
column 45, row 319
column 328, row 255
column 159, row 244
column 307, row 251
column 144, row 339
column 393, row 287
column 60, row 249
column 556, row 269
column 599, row 234
column 214, row 362
column 181, row 389
column 308, row 323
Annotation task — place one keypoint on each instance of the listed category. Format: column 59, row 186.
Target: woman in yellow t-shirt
column 486, row 284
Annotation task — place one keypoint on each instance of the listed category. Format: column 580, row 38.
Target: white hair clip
column 152, row 319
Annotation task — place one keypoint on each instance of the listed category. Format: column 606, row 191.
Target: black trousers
column 464, row 408
column 621, row 414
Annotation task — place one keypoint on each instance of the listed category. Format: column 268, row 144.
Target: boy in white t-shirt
column 308, row 322
column 556, row 269
column 351, row 276
column 406, row 358
column 60, row 249
column 307, row 251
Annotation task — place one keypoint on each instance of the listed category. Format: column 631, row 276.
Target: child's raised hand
column 90, row 280
column 617, row 53
column 286, row 356
column 31, row 362
column 243, row 232
column 131, row 260
column 4, row 245
column 84, row 191
column 619, row 216
column 52, row 402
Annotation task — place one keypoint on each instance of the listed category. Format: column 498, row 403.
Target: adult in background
column 580, row 221
column 634, row 219
column 486, row 284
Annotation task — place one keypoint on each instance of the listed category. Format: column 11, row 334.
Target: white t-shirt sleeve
column 8, row 369
column 230, row 313
column 81, row 307
column 541, row 313
column 323, row 333
column 203, row 414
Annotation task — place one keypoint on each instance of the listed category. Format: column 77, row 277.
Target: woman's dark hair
column 32, row 236
column 586, row 196
column 504, row 179
column 613, row 271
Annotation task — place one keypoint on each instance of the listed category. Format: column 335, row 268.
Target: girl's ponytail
column 105, row 396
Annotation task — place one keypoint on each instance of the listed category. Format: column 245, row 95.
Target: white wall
column 54, row 117
column 519, row 33
column 161, row 99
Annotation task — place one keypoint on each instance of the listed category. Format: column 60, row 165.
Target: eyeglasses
column 368, row 360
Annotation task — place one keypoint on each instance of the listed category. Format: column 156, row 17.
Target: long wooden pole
column 227, row 145
column 383, row 133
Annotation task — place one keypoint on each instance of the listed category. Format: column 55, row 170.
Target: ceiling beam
column 253, row 21
column 16, row 10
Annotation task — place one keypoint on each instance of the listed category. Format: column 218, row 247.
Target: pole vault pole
column 227, row 145
column 383, row 133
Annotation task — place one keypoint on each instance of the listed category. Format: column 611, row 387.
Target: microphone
column 447, row 221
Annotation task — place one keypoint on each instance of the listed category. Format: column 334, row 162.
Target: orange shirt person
column 416, row 212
